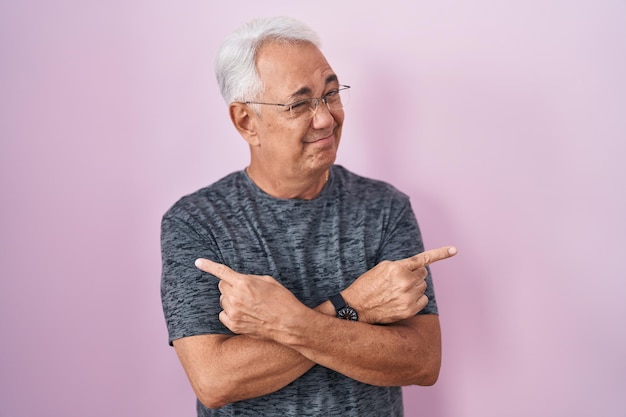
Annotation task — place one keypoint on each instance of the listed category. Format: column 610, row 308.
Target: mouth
column 325, row 139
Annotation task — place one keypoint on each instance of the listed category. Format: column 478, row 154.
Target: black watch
column 344, row 311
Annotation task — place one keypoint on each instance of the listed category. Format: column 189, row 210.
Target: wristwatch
column 344, row 311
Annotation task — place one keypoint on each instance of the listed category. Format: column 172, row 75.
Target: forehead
column 293, row 69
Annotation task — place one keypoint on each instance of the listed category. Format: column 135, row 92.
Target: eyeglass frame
column 316, row 100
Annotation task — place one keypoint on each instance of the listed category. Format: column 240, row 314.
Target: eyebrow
column 306, row 91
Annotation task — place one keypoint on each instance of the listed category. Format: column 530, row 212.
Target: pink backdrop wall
column 504, row 121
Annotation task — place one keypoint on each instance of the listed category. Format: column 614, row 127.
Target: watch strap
column 338, row 302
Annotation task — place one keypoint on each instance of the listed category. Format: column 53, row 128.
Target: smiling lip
column 321, row 140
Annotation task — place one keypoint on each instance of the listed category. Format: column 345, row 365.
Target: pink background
column 504, row 121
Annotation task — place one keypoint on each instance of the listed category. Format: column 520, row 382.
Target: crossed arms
column 277, row 338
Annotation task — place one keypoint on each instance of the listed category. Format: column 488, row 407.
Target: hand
column 394, row 290
column 253, row 305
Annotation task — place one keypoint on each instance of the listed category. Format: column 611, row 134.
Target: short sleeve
column 189, row 296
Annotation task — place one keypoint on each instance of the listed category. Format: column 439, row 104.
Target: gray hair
column 235, row 64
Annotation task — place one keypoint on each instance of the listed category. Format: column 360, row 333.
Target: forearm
column 223, row 369
column 405, row 353
column 241, row 367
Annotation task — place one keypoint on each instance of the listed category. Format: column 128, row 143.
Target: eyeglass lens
column 334, row 100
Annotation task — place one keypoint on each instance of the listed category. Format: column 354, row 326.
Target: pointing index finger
column 221, row 271
column 430, row 256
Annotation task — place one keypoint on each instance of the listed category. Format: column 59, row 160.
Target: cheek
column 283, row 138
column 339, row 118
column 285, row 141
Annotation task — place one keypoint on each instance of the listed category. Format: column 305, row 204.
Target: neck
column 300, row 187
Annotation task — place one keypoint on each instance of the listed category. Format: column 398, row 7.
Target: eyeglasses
column 306, row 109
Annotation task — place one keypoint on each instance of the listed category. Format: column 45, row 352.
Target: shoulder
column 207, row 198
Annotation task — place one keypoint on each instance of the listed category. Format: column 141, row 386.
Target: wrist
column 326, row 308
column 342, row 309
column 353, row 299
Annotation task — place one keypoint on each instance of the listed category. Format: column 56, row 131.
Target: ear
column 245, row 121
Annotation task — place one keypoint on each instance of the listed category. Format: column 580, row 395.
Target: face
column 295, row 148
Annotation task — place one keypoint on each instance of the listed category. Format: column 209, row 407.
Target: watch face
column 348, row 313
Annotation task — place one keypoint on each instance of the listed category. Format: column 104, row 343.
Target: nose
column 322, row 117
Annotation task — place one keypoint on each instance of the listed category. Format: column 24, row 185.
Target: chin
column 326, row 163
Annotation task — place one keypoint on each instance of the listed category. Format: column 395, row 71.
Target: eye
column 332, row 95
column 298, row 104
column 300, row 108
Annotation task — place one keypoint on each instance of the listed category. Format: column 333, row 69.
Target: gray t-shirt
column 315, row 248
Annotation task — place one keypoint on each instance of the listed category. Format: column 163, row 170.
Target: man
column 293, row 288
